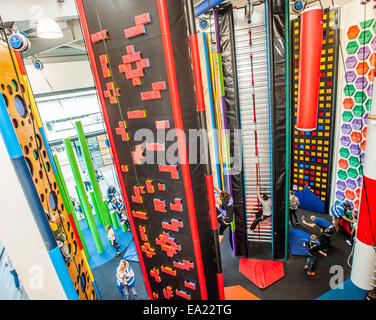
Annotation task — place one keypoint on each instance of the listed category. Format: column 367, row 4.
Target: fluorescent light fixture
column 48, row 29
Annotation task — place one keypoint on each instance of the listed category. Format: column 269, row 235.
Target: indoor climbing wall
column 359, row 45
column 312, row 150
column 145, row 81
column 22, row 110
column 251, row 55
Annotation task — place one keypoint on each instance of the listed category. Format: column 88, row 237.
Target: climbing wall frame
column 21, row 107
column 312, row 151
column 252, row 64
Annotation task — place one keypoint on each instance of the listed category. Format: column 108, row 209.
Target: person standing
column 313, row 251
column 225, row 212
column 339, row 211
column 125, row 220
column 126, row 281
column 266, row 210
column 111, row 236
column 352, row 236
column 86, row 180
column 118, row 206
column 293, row 206
column 8, row 264
column 111, row 192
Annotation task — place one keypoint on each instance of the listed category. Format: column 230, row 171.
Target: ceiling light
column 48, row 29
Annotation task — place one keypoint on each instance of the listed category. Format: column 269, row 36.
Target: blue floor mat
column 348, row 291
column 296, row 239
column 95, row 260
column 131, row 253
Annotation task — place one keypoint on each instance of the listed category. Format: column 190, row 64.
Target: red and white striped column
column 364, row 261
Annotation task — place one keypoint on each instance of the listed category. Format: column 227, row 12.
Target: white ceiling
column 71, row 47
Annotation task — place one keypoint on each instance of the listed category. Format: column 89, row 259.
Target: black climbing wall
column 226, row 23
column 157, row 197
column 277, row 82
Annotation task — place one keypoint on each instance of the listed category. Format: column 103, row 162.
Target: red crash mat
column 239, row 293
column 261, row 272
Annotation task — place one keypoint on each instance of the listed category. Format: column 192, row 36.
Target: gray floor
column 105, row 278
column 7, row 289
column 296, row 285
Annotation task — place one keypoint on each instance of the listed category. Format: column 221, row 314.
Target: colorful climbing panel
column 312, row 151
column 167, row 199
column 360, row 60
column 21, row 107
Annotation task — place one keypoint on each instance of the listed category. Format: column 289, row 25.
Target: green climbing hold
column 342, row 174
column 344, row 152
column 354, row 161
column 366, row 24
column 365, row 37
column 360, row 97
column 349, row 89
column 368, row 104
column 352, row 173
column 347, row 116
column 358, row 110
column 352, row 47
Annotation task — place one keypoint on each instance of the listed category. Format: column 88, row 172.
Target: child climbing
column 111, row 236
column 313, row 250
column 126, row 281
column 225, row 212
column 56, row 224
column 266, row 212
column 293, row 206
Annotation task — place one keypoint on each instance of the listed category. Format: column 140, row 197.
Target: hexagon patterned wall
column 360, row 60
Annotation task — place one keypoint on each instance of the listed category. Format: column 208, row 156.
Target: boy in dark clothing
column 325, row 238
column 313, row 250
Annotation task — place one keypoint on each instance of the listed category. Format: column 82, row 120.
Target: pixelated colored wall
column 22, row 111
column 128, row 56
column 312, row 151
column 359, row 47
